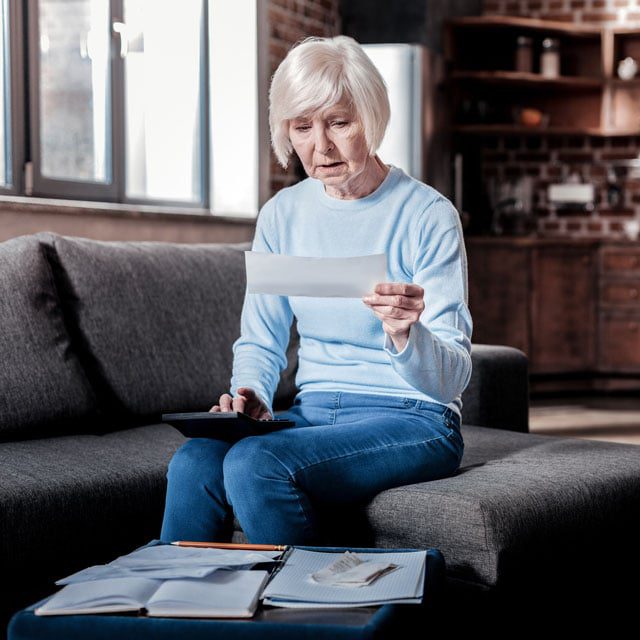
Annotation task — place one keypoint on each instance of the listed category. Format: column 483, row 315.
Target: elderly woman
column 379, row 378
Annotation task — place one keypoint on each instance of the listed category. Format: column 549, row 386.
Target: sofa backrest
column 98, row 335
column 43, row 389
column 154, row 322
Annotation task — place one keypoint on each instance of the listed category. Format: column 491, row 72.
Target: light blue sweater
column 342, row 344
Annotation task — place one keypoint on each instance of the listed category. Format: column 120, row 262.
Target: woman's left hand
column 398, row 305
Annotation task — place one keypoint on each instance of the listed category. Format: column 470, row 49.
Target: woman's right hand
column 247, row 401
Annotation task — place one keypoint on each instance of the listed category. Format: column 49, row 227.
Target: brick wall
column 553, row 159
column 600, row 11
column 290, row 21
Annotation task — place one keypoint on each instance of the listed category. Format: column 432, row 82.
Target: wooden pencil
column 231, row 545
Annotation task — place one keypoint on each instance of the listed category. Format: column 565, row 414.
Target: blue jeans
column 344, row 447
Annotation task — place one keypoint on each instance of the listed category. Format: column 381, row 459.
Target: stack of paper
column 167, row 580
column 163, row 562
column 295, row 586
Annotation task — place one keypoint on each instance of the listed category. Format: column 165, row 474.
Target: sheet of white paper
column 162, row 554
column 319, row 277
column 105, row 571
column 169, row 561
column 226, row 593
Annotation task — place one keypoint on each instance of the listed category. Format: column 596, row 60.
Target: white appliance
column 415, row 139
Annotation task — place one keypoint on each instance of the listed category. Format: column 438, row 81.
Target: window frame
column 15, row 81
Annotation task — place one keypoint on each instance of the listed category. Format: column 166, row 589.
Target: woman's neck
column 371, row 180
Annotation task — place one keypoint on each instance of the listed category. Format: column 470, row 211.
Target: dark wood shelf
column 619, row 82
column 533, row 24
column 534, row 239
column 512, row 129
column 529, row 79
column 625, row 31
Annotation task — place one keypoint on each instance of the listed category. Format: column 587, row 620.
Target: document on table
column 284, row 275
column 168, row 561
column 293, row 585
column 224, row 594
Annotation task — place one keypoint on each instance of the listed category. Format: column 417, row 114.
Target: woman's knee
column 251, row 459
column 200, row 457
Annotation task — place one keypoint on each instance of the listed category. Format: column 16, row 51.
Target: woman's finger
column 393, row 313
column 238, row 404
column 402, row 302
column 399, row 288
column 225, row 402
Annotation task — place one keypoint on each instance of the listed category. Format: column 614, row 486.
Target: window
column 118, row 103
column 5, row 99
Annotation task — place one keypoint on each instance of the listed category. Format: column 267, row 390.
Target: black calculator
column 229, row 426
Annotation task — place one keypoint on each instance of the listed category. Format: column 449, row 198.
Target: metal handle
column 120, row 28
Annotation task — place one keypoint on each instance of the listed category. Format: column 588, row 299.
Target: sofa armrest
column 497, row 395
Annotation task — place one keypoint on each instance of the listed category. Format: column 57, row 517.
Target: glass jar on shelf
column 550, row 58
column 524, row 54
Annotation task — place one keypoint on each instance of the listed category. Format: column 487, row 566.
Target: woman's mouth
column 330, row 166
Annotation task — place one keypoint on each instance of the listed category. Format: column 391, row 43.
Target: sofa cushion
column 518, row 503
column 42, row 386
column 156, row 321
column 73, row 501
column 519, row 507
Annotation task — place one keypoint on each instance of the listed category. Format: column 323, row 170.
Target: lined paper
column 293, row 586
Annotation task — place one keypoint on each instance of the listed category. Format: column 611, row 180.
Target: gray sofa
column 99, row 338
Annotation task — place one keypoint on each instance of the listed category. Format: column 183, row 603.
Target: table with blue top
column 269, row 622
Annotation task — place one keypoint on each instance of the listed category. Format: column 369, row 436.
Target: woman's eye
column 340, row 123
column 302, row 127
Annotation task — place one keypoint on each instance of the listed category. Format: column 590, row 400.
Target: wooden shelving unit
column 587, row 98
column 500, row 129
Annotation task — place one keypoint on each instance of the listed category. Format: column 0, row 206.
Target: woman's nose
column 322, row 142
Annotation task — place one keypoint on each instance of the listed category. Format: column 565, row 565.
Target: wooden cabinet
column 563, row 309
column 619, row 330
column 573, row 306
column 500, row 306
column 619, row 344
column 488, row 93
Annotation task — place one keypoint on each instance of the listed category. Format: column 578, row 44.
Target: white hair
column 316, row 74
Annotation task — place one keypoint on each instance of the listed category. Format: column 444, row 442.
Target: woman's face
column 331, row 146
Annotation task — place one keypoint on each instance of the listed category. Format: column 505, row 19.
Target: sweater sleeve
column 437, row 357
column 259, row 354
